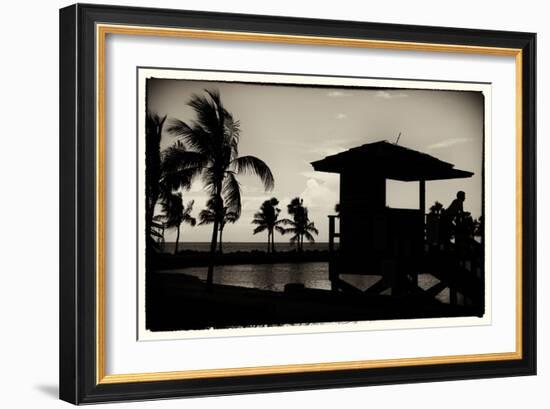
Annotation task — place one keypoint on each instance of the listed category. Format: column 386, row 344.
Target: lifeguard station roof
column 391, row 161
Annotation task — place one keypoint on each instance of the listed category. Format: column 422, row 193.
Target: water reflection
column 274, row 277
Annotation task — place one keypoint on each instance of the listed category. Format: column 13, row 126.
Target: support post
column 453, row 296
column 332, row 274
column 331, row 231
column 422, row 205
column 422, row 201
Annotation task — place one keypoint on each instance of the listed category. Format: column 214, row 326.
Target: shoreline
column 193, row 258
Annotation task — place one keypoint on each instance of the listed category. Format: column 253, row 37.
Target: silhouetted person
column 456, row 209
column 452, row 216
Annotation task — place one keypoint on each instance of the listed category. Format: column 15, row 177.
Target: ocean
column 232, row 247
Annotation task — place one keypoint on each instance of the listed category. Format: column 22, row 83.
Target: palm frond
column 295, row 206
column 177, row 158
column 309, row 237
column 294, row 239
column 260, row 229
column 180, row 167
column 179, row 128
column 311, row 228
column 286, row 222
column 210, row 180
column 207, row 110
column 157, row 225
column 190, row 220
column 156, row 234
column 259, row 216
column 206, row 216
column 231, row 192
column 219, row 110
column 231, row 217
column 194, row 136
column 172, row 207
column 252, row 165
column 232, row 132
column 153, row 127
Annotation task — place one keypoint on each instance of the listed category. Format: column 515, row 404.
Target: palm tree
column 478, row 227
column 436, row 208
column 296, row 207
column 300, row 224
column 268, row 219
column 153, row 132
column 208, row 216
column 179, row 167
column 157, row 230
column 175, row 213
column 213, row 140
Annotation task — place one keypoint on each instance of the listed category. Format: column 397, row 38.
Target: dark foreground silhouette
column 182, row 302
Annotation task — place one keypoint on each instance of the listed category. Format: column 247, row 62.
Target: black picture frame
column 78, row 204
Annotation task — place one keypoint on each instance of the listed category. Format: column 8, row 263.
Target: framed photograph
column 257, row 203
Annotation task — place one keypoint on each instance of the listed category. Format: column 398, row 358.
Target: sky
column 288, row 127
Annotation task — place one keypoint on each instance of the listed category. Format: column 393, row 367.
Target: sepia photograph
column 292, row 201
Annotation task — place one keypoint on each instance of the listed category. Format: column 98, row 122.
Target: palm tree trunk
column 213, row 243
column 272, row 241
column 163, row 240
column 268, row 240
column 215, row 229
column 177, row 240
column 220, row 246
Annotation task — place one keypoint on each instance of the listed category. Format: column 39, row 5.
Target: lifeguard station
column 375, row 239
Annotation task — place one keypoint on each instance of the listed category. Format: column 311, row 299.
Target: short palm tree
column 300, row 225
column 267, row 219
column 175, row 213
column 153, row 132
column 213, row 141
column 157, row 230
column 478, row 227
column 436, row 208
column 208, row 216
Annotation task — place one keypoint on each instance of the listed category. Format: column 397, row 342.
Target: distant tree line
column 267, row 219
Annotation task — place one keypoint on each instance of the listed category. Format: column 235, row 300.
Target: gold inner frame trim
column 102, row 30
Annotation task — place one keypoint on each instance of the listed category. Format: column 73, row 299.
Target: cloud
column 330, row 146
column 331, row 180
column 390, row 95
column 448, row 143
column 319, row 195
column 251, row 204
column 337, row 94
column 328, row 150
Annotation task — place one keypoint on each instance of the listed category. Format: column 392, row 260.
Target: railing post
column 331, row 234
column 332, row 274
column 422, row 196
